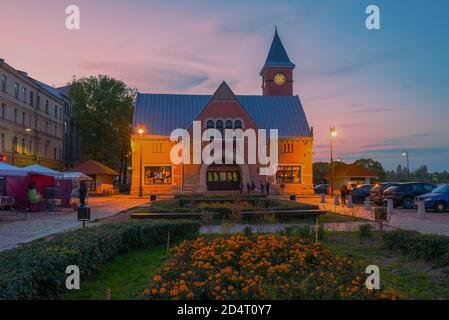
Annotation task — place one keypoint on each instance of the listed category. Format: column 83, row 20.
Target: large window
column 289, row 174
column 3, row 83
column 16, row 90
column 158, row 175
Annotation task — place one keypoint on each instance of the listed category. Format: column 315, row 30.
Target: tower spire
column 277, row 72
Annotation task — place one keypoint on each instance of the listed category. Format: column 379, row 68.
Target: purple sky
column 384, row 90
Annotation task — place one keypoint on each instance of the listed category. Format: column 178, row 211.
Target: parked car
column 438, row 199
column 360, row 192
column 321, row 188
column 376, row 193
column 405, row 193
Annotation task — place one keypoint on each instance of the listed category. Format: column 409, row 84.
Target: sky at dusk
column 384, row 90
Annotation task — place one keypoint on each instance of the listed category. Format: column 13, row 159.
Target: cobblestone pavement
column 14, row 231
column 432, row 223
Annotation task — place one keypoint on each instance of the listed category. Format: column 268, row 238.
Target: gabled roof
column 277, row 56
column 353, row 170
column 92, row 167
column 160, row 114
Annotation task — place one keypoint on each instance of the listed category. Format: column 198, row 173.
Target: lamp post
column 405, row 154
column 140, row 132
column 333, row 133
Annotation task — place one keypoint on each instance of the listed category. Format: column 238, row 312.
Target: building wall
column 294, row 152
column 43, row 144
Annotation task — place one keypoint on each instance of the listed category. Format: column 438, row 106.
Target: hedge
column 37, row 270
column 432, row 248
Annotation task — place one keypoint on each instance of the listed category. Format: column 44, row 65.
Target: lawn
column 126, row 276
column 415, row 278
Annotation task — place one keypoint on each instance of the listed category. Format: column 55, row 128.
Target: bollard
column 421, row 210
column 390, row 207
column 367, row 203
column 323, row 198
column 336, row 202
column 350, row 202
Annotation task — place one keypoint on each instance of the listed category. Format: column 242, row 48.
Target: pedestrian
column 32, row 194
column 262, row 188
column 350, row 187
column 241, row 187
column 253, row 187
column 344, row 193
column 82, row 193
column 248, row 187
column 267, row 187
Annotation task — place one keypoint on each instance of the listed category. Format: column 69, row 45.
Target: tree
column 374, row 166
column 320, row 172
column 103, row 112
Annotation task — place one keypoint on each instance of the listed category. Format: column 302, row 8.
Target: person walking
column 350, row 187
column 248, row 187
column 344, row 193
column 262, row 188
column 82, row 193
column 32, row 195
column 241, row 187
column 253, row 187
column 267, row 187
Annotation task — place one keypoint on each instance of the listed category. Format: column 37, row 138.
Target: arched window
column 219, row 124
column 210, row 124
column 228, row 124
column 238, row 124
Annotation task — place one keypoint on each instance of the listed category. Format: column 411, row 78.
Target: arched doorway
column 223, row 177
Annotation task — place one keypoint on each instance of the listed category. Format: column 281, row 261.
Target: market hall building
column 157, row 115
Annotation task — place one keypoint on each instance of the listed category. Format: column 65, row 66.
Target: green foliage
column 365, row 231
column 433, row 248
column 248, row 231
column 103, row 115
column 374, row 166
column 37, row 270
column 303, row 232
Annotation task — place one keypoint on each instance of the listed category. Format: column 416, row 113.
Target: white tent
column 76, row 175
column 9, row 170
column 37, row 168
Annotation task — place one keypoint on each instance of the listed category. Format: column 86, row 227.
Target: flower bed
column 262, row 267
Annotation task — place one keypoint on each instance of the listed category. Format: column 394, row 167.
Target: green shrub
column 433, row 248
column 365, row 231
column 37, row 270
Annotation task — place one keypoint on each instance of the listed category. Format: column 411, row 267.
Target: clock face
column 279, row 79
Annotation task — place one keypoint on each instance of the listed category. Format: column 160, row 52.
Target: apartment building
column 32, row 119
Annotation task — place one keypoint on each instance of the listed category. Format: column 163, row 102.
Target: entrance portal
column 221, row 177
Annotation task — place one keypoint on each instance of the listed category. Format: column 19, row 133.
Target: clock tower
column 277, row 72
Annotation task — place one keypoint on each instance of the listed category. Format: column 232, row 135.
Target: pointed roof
column 92, row 167
column 277, row 56
column 223, row 93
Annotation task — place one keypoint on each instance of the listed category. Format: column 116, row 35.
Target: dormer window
column 228, row 124
column 210, row 124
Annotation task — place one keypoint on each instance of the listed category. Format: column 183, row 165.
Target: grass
column 126, row 276
column 415, row 279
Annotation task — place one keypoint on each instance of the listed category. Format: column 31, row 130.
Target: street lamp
column 140, row 132
column 405, row 154
column 333, row 133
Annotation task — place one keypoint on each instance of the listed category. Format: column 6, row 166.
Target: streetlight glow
column 140, row 131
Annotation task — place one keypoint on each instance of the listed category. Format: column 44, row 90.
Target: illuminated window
column 158, row 175
column 289, row 174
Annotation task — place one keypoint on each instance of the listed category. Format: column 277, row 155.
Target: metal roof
column 160, row 114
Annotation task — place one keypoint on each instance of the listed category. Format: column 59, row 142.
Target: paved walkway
column 433, row 223
column 14, row 231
